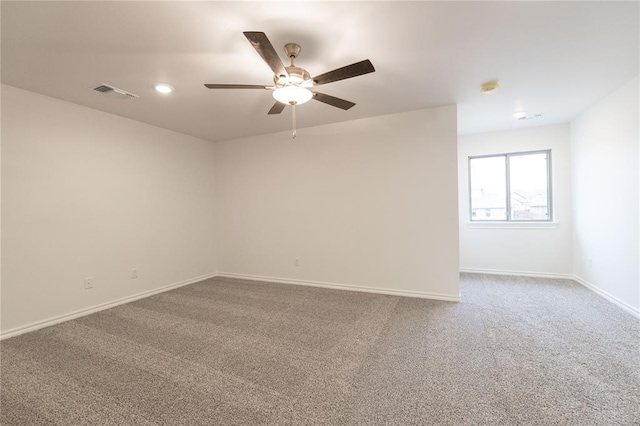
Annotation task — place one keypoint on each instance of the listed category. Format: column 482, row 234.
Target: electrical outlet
column 88, row 283
column 134, row 273
column 296, row 262
column 589, row 263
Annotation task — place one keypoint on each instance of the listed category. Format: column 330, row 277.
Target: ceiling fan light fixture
column 292, row 95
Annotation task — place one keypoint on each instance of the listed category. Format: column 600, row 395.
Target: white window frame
column 508, row 219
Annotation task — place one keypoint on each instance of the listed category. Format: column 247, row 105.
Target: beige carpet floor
column 515, row 351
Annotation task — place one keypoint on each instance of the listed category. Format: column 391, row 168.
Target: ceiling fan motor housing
column 296, row 77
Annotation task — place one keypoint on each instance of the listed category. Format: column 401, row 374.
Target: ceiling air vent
column 113, row 92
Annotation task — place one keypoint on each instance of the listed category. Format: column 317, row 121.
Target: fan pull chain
column 293, row 116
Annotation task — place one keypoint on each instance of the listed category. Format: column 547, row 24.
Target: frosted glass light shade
column 292, row 94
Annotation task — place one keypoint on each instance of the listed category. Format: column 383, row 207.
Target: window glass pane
column 488, row 188
column 528, row 185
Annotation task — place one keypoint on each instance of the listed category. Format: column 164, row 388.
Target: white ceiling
column 555, row 58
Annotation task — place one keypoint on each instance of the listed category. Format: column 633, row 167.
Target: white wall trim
column 518, row 273
column 435, row 296
column 348, row 287
column 101, row 307
column 512, row 225
column 630, row 309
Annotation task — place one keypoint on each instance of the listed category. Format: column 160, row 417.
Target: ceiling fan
column 292, row 84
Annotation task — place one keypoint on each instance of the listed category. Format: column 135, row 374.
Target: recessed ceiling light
column 520, row 115
column 163, row 88
column 489, row 87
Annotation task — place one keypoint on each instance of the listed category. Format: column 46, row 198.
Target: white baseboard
column 82, row 312
column 518, row 273
column 348, row 287
column 435, row 296
column 632, row 310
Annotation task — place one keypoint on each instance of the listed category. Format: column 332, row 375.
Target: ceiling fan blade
column 234, row 86
column 277, row 108
column 333, row 101
column 265, row 49
column 353, row 70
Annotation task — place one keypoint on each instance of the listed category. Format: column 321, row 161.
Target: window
column 511, row 187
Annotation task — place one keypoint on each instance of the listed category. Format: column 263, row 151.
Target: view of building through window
column 510, row 187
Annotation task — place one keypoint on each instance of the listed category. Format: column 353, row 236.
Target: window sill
column 512, row 225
